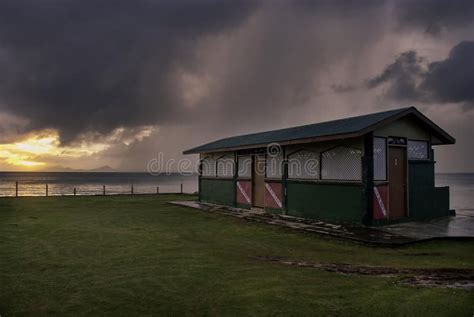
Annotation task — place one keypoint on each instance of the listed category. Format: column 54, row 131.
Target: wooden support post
column 181, row 187
column 74, row 191
column 200, row 177
column 47, row 190
column 234, row 179
column 157, row 190
column 368, row 176
column 16, row 189
column 284, row 180
column 103, row 190
column 131, row 190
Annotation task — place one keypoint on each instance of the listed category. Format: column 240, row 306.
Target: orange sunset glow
column 37, row 150
column 33, row 151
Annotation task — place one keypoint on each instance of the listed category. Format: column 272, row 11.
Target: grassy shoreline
column 127, row 255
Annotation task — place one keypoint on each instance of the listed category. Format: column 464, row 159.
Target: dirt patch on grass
column 424, row 254
column 439, row 277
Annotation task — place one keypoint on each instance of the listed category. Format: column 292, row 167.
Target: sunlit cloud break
column 34, row 150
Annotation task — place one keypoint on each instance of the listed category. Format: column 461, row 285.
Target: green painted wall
column 217, row 191
column 421, row 174
column 425, row 200
column 429, row 203
column 327, row 202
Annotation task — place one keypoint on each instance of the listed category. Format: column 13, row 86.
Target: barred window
column 342, row 163
column 380, row 159
column 417, row 150
column 303, row 165
column 245, row 166
column 274, row 168
column 225, row 166
column 208, row 166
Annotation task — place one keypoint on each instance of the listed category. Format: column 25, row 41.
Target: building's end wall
column 425, row 201
column 405, row 127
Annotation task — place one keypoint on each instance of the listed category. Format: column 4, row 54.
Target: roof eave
column 442, row 135
column 285, row 142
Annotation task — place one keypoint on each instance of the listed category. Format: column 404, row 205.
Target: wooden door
column 397, row 176
column 258, row 181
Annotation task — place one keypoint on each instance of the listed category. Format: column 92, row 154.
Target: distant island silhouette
column 59, row 168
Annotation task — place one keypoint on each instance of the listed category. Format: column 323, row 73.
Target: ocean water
column 59, row 183
column 461, row 190
column 63, row 183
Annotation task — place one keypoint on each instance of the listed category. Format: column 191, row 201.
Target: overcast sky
column 116, row 82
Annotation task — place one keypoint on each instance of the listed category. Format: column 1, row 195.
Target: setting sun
column 33, row 150
column 29, row 163
column 37, row 145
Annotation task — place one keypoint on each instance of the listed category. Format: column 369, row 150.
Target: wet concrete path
column 393, row 235
column 460, row 226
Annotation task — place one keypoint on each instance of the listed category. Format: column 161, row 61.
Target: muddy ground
column 436, row 277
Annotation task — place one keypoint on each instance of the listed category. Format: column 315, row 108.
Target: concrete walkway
column 393, row 235
column 460, row 226
column 356, row 233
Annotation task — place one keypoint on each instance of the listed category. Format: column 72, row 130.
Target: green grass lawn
column 142, row 256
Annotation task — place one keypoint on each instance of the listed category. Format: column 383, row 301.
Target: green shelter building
column 373, row 169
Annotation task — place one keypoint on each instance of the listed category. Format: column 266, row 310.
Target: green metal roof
column 348, row 127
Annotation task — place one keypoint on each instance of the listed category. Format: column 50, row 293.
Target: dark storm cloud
column 452, row 80
column 402, row 75
column 433, row 16
column 95, row 65
column 446, row 81
column 80, row 66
